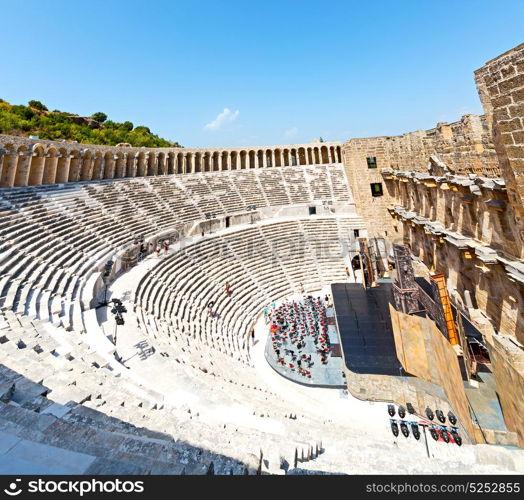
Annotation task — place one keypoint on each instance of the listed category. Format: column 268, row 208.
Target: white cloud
column 227, row 116
column 292, row 132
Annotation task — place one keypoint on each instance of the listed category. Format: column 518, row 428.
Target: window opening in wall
column 356, row 233
column 376, row 189
column 372, row 161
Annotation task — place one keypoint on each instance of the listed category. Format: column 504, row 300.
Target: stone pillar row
column 24, row 168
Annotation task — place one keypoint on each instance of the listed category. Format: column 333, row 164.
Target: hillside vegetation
column 36, row 119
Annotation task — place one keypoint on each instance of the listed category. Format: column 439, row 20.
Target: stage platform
column 364, row 327
column 330, row 375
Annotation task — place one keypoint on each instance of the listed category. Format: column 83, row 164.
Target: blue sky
column 232, row 73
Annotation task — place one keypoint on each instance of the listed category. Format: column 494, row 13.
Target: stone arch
column 278, row 158
column 30, row 165
column 324, row 155
column 98, row 166
column 252, row 156
column 152, row 166
column 198, row 162
column 37, row 149
column 316, row 156
column 293, row 157
column 215, row 163
column 244, row 160
column 75, row 164
column 63, row 166
column 87, row 165
column 109, row 165
column 260, row 159
column 141, row 164
column 182, row 163
column 120, row 165
column 171, row 163
column 161, row 164
column 332, row 154
column 233, row 158
column 269, row 158
column 286, row 160
column 224, row 162
column 190, row 163
column 131, row 164
column 301, row 156
column 207, row 162
column 50, row 166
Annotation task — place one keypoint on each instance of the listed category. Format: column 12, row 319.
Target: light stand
column 105, row 278
column 118, row 309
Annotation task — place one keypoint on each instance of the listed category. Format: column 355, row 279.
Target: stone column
column 109, row 167
column 50, row 166
column 98, row 168
column 120, row 166
column 141, row 166
column 160, row 165
column 88, row 165
column 131, row 169
column 22, row 169
column 75, row 166
column 9, row 161
column 36, row 171
column 156, row 165
column 62, row 169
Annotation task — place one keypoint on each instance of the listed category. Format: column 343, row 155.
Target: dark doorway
column 312, row 210
column 228, row 221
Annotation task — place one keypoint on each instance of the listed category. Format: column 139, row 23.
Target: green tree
column 99, row 117
column 37, row 105
column 142, row 130
column 23, row 112
column 127, row 126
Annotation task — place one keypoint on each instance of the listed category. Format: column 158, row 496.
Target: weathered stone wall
column 31, row 162
column 501, row 87
column 424, row 352
column 492, row 282
column 508, row 367
column 475, row 208
column 373, row 208
column 471, row 228
column 465, row 147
